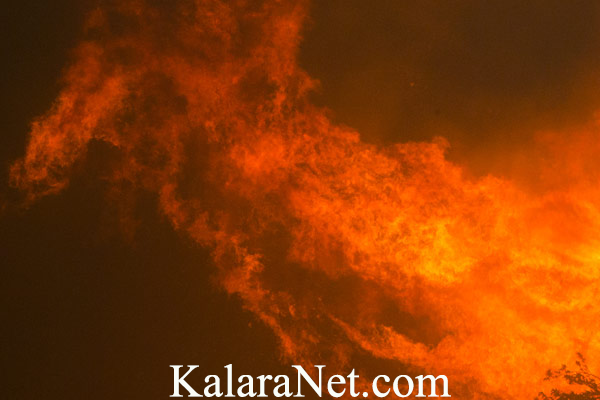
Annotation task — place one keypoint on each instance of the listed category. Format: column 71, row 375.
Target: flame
column 346, row 250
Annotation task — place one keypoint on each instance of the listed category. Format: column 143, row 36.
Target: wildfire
column 345, row 249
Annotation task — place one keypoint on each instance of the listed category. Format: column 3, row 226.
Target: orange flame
column 347, row 250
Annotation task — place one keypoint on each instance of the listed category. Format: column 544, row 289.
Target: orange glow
column 345, row 249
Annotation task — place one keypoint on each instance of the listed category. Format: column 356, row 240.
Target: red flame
column 343, row 248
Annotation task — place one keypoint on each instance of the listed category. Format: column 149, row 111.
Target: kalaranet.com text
column 335, row 386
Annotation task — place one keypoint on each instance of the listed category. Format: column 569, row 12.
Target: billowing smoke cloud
column 347, row 251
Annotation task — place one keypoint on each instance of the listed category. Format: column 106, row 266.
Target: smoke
column 346, row 250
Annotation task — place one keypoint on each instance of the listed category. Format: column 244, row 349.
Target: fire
column 346, row 250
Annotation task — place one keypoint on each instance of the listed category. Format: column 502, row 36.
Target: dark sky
column 485, row 75
column 90, row 314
